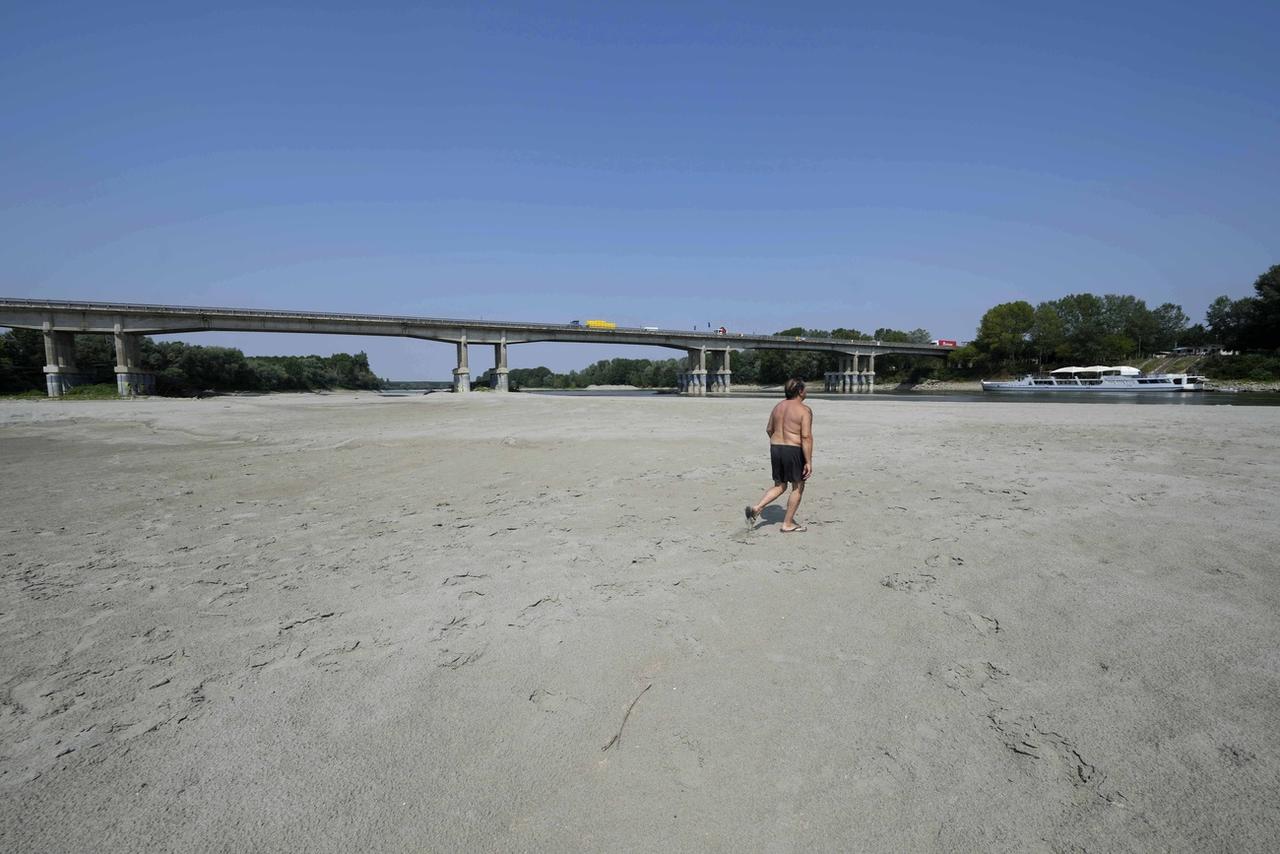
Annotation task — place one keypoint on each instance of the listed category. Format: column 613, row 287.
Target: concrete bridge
column 708, row 366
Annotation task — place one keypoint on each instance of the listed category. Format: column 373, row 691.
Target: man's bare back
column 789, row 423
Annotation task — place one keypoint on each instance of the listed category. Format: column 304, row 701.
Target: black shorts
column 788, row 463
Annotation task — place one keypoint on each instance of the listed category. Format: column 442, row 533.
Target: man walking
column 790, row 432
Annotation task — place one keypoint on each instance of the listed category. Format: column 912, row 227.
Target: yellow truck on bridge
column 596, row 324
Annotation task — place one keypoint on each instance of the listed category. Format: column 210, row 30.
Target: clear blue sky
column 752, row 165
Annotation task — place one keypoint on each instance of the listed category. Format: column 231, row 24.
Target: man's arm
column 771, row 426
column 806, row 440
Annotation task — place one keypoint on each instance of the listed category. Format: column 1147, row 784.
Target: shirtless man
column 791, row 452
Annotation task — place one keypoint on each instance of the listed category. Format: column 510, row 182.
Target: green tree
column 1195, row 336
column 1170, row 323
column 219, row 368
column 1127, row 317
column 963, row 360
column 1265, row 328
column 1115, row 346
column 96, row 357
column 21, row 361
column 745, row 366
column 1005, row 330
column 1082, row 326
column 1230, row 321
column 1046, row 336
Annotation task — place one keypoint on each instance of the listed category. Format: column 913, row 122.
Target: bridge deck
column 106, row 317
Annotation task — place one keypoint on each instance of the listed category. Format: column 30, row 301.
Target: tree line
column 1088, row 329
column 184, row 369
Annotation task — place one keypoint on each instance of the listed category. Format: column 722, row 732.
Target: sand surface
column 336, row 623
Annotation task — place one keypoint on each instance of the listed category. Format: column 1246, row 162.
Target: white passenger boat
column 1099, row 378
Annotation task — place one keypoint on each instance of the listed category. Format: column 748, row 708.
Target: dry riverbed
column 520, row 622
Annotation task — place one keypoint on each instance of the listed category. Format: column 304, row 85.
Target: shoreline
column 1243, row 386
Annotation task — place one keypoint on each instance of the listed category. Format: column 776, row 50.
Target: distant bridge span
column 60, row 321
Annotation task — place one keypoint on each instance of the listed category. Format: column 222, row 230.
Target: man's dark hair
column 794, row 386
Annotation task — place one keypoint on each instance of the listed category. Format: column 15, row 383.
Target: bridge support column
column 696, row 381
column 60, row 372
column 462, row 373
column 131, row 380
column 848, row 374
column 499, row 380
column 871, row 372
column 720, row 375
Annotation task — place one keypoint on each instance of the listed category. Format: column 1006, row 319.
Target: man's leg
column 793, row 502
column 770, row 495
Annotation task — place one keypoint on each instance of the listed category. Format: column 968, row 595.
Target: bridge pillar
column 848, row 374
column 721, row 375
column 60, row 372
column 131, row 380
column 499, row 379
column 871, row 372
column 696, row 381
column 462, row 373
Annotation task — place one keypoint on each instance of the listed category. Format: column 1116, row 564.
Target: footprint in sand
column 535, row 611
column 459, row 647
column 686, row 763
column 980, row 623
column 1039, row 747
column 1049, row 754
column 455, row 660
column 912, row 582
column 553, row 701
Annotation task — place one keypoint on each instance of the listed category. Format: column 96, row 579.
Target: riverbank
column 976, row 386
column 517, row 622
column 1242, row 385
column 941, row 385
